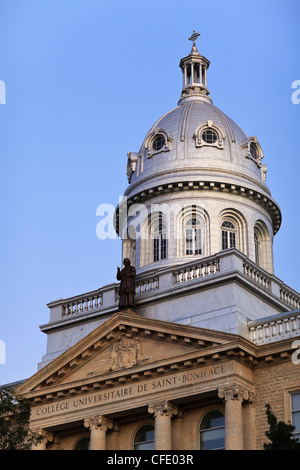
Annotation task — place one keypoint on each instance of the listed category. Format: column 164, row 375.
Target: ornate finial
column 193, row 37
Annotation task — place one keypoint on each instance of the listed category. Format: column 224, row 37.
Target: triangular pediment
column 126, row 345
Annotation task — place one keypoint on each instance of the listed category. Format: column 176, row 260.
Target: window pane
column 144, row 446
column 197, row 241
column 209, row 136
column 295, row 401
column 232, row 239
column 144, row 438
column 156, row 249
column 228, row 224
column 224, row 240
column 83, row 444
column 296, row 421
column 214, row 419
column 189, row 241
column 163, row 248
column 213, row 439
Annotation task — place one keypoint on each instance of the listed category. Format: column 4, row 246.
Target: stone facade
column 132, row 371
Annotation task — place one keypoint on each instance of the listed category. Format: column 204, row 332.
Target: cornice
column 211, row 185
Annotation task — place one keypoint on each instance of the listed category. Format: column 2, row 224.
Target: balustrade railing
column 275, row 329
column 224, row 263
column 85, row 303
column 257, row 275
column 199, row 270
column 146, row 285
column 290, row 297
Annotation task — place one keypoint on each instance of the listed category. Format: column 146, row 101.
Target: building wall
column 273, row 385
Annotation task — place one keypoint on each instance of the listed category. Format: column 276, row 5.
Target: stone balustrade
column 257, row 275
column 224, row 264
column 196, row 271
column 144, row 286
column 275, row 328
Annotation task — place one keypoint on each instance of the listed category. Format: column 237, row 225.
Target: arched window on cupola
column 153, row 244
column 256, row 246
column 229, row 235
column 193, row 236
column 159, row 237
column 193, row 232
column 263, row 246
column 233, row 231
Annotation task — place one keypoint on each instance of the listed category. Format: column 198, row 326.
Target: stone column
column 163, row 412
column 98, row 426
column 249, row 423
column 233, row 396
column 47, row 436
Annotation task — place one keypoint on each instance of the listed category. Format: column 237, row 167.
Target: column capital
column 233, row 392
column 163, row 408
column 98, row 422
column 47, row 435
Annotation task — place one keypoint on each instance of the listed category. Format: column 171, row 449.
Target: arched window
column 263, row 246
column 229, row 235
column 193, row 242
column 256, row 246
column 212, row 431
column 83, row 444
column 159, row 235
column 144, row 438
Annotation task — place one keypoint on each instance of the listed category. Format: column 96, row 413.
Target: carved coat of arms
column 126, row 352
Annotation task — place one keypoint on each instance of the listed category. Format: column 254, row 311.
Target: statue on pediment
column 127, row 285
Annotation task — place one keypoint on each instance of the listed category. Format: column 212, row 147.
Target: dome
column 197, row 140
column 197, row 185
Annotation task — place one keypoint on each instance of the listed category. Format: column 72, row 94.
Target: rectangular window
column 295, row 406
column 163, row 248
column 224, row 240
column 232, row 239
column 156, row 248
column 189, row 241
column 198, row 241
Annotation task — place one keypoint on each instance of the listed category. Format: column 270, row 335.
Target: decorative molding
column 126, row 352
column 163, row 408
column 209, row 125
column 149, row 141
column 132, row 159
column 98, row 422
column 246, row 148
column 233, row 392
column 262, row 199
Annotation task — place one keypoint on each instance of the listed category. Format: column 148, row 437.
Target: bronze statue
column 127, row 285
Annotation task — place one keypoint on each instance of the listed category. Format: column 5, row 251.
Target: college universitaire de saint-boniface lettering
column 133, row 390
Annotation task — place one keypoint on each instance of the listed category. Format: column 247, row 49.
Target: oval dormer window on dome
column 252, row 150
column 158, row 141
column 209, row 135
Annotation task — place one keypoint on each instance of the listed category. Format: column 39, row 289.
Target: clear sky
column 84, row 82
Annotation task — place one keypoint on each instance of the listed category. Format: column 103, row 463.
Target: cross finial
column 193, row 37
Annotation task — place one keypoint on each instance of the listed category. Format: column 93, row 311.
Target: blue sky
column 85, row 80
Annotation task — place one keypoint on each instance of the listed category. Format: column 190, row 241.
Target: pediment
column 125, row 346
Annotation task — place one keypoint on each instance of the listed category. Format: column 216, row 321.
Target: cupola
column 194, row 72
